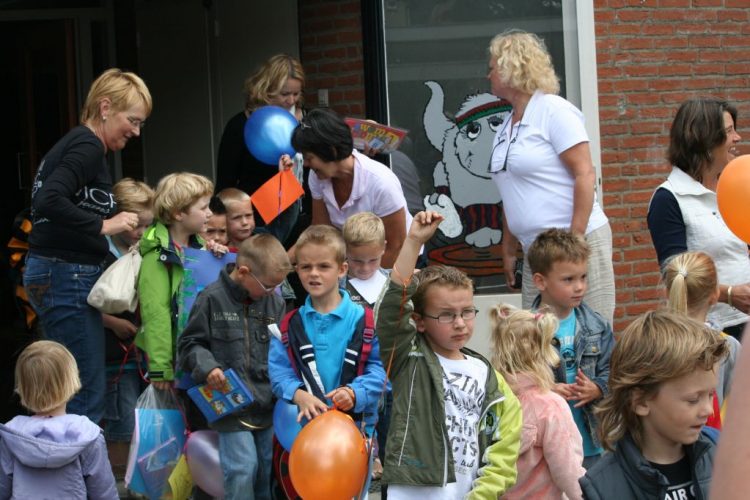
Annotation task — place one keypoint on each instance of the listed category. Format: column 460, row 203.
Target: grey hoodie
column 56, row 458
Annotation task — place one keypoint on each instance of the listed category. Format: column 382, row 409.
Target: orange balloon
column 329, row 458
column 733, row 196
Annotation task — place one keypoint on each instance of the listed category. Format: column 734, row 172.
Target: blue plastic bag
column 158, row 440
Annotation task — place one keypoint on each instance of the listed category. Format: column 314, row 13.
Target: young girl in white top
column 693, row 288
column 551, row 455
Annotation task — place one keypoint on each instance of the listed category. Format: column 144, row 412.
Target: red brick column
column 331, row 53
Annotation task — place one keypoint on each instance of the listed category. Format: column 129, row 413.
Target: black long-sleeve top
column 71, row 196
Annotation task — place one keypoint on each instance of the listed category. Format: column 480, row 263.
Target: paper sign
column 180, row 481
column 380, row 137
column 369, row 289
column 201, row 268
column 276, row 195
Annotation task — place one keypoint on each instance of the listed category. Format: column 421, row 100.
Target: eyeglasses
column 137, row 123
column 449, row 317
column 267, row 289
column 501, row 143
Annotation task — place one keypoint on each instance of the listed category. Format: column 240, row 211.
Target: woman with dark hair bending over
column 683, row 214
column 345, row 182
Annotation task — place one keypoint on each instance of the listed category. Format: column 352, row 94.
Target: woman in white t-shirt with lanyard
column 541, row 163
column 345, row 182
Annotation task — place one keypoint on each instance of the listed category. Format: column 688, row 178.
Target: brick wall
column 331, row 53
column 651, row 56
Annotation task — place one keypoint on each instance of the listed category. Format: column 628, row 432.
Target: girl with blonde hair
column 693, row 287
column 551, row 455
column 52, row 454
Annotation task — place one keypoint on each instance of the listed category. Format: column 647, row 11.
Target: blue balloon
column 285, row 423
column 268, row 134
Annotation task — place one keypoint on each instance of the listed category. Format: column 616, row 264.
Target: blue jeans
column 123, row 390
column 246, row 462
column 57, row 290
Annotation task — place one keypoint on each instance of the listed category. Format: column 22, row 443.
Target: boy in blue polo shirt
column 336, row 331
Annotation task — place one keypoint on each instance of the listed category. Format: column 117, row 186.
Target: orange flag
column 276, row 195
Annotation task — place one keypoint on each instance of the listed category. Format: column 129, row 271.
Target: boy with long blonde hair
column 662, row 380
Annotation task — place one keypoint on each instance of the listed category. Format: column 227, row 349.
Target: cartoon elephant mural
column 464, row 192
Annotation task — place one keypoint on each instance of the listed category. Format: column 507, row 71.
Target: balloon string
column 371, row 441
column 281, row 179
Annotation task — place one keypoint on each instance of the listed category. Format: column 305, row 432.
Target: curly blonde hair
column 655, row 348
column 523, row 62
column 267, row 82
column 522, row 343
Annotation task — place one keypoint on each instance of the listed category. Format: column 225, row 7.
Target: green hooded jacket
column 417, row 450
column 157, row 296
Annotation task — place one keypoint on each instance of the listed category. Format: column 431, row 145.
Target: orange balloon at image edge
column 733, row 196
column 329, row 458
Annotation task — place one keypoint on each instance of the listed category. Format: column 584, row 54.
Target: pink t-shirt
column 376, row 189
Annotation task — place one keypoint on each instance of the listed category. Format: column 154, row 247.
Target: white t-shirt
column 535, row 186
column 463, row 384
column 376, row 189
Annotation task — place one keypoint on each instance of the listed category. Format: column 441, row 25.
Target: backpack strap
column 367, row 335
column 284, row 327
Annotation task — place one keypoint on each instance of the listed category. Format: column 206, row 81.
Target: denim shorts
column 123, row 390
column 58, row 290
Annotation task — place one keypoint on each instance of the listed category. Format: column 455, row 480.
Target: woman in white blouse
column 541, row 163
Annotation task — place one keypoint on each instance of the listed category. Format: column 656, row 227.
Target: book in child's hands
column 380, row 137
column 233, row 396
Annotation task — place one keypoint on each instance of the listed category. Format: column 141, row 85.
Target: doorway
column 37, row 81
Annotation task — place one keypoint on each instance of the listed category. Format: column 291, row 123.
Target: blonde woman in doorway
column 279, row 82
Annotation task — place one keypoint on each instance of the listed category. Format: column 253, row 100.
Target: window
column 436, row 66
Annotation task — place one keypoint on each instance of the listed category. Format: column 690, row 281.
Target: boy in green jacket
column 181, row 209
column 455, row 424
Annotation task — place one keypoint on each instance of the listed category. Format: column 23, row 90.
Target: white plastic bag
column 116, row 289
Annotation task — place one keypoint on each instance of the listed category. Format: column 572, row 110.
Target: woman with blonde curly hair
column 278, row 82
column 541, row 159
column 551, row 455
